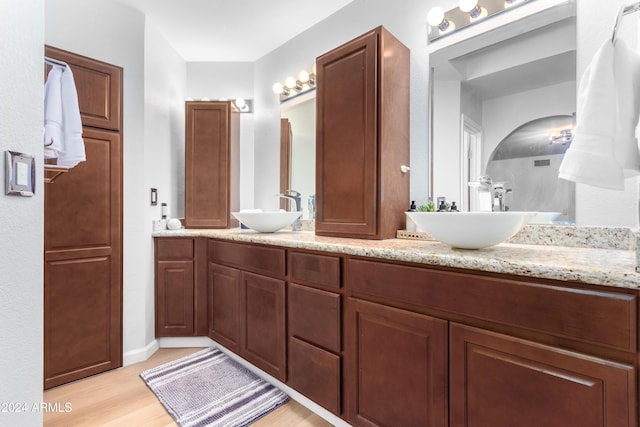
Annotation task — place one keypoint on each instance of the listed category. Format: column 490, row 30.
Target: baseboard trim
column 139, row 355
column 184, row 342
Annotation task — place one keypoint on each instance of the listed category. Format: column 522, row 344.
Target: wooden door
column 83, row 264
column 263, row 306
column 83, row 235
column 497, row 380
column 396, row 371
column 346, row 139
column 224, row 306
column 175, row 298
column 211, row 158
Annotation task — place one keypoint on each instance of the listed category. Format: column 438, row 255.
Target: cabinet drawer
column 315, row 269
column 257, row 259
column 314, row 316
column 315, row 373
column 600, row 317
column 174, row 248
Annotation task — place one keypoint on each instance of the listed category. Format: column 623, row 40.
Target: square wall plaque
column 20, row 176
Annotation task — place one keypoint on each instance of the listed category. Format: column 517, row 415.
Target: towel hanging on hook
column 623, row 10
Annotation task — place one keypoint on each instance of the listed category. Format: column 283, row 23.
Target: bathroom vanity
column 407, row 332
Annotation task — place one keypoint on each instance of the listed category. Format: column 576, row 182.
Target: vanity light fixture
column 242, row 105
column 509, row 3
column 472, row 8
column 436, row 18
column 468, row 12
column 565, row 136
column 294, row 86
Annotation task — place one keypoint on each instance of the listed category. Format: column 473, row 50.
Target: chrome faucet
column 497, row 190
column 296, row 206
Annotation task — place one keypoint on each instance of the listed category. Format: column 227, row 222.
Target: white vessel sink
column 267, row 222
column 470, row 230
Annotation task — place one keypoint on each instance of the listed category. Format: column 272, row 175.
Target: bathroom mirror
column 500, row 101
column 300, row 112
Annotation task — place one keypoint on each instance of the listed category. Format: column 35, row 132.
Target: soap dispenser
column 410, row 225
column 442, row 207
column 454, row 208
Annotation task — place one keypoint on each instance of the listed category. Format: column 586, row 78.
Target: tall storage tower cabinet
column 362, row 137
column 212, row 164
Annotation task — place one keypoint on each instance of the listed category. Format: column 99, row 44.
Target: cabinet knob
column 404, row 169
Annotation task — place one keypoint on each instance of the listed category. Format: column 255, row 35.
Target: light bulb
column 277, row 88
column 435, row 16
column 467, row 5
column 303, row 76
column 290, row 82
column 240, row 103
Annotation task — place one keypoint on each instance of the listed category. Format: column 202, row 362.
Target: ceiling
column 231, row 30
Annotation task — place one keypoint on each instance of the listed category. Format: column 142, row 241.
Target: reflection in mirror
column 528, row 159
column 489, row 89
column 300, row 114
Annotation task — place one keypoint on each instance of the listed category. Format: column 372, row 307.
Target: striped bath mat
column 208, row 388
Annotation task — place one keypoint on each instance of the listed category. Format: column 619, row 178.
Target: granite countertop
column 609, row 267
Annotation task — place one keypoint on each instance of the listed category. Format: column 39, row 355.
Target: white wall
column 21, row 263
column 165, row 80
column 501, row 116
column 115, row 34
column 407, row 23
column 446, row 137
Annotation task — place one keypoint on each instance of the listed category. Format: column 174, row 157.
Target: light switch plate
column 20, row 174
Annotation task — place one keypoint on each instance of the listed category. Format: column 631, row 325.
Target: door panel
column 263, row 303
column 224, row 306
column 175, row 288
column 503, row 381
column 397, row 372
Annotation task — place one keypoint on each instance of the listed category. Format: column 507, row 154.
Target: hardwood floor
column 121, row 398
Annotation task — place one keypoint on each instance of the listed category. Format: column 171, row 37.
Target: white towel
column 53, row 114
column 604, row 150
column 63, row 126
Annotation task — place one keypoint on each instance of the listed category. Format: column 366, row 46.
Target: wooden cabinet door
column 99, row 87
column 496, row 380
column 175, row 299
column 362, row 137
column 346, row 138
column 83, row 264
column 263, row 305
column 225, row 316
column 211, row 177
column 396, row 372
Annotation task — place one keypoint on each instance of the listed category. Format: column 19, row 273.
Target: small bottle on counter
column 410, row 225
column 454, row 208
column 442, row 207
